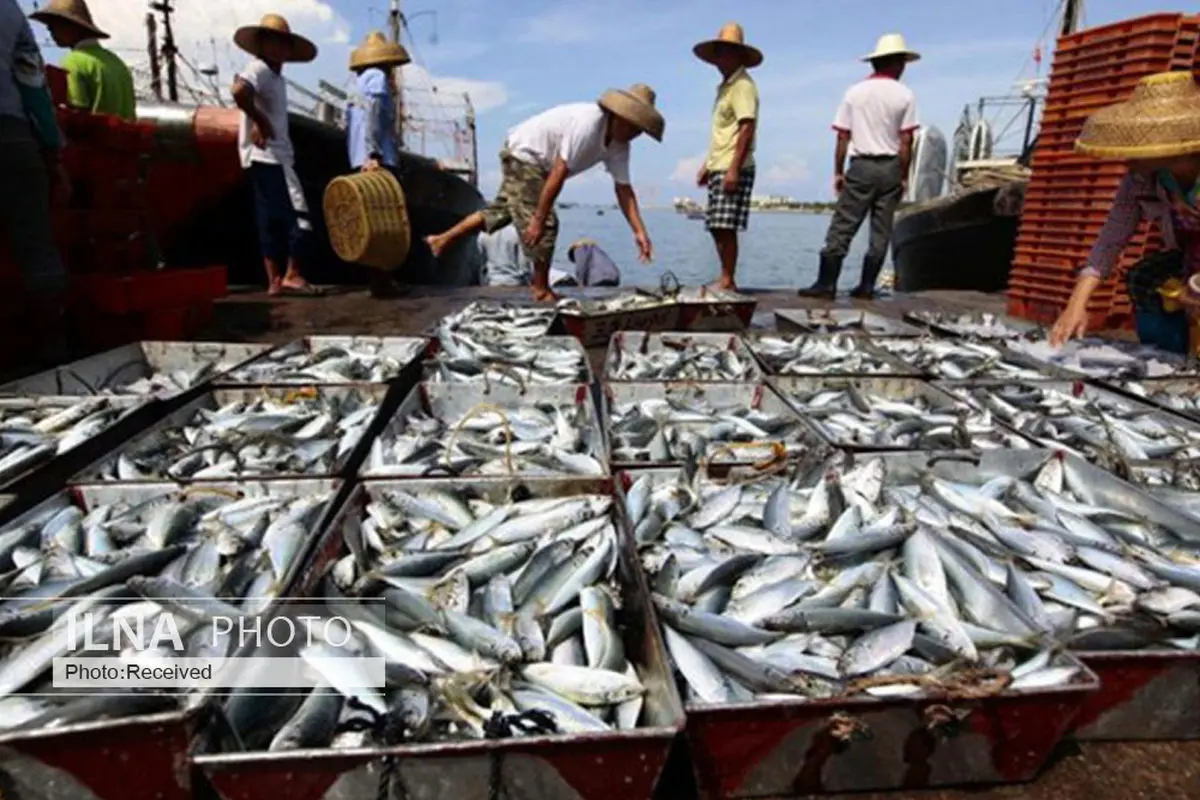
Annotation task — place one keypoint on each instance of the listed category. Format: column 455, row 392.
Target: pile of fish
column 1112, row 360
column 1177, row 484
column 683, row 427
column 625, row 301
column 499, row 321
column 259, row 436
column 123, row 563
column 850, row 586
column 831, row 320
column 366, row 360
column 1180, row 397
column 1100, row 426
column 670, row 357
column 958, row 361
column 842, row 354
column 532, row 439
column 173, row 382
column 548, row 361
column 494, row 620
column 36, row 429
column 852, row 414
column 976, row 326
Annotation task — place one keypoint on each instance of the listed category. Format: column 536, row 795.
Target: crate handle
column 845, row 728
column 944, row 721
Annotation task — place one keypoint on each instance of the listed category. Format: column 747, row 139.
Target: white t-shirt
column 270, row 96
column 575, row 133
column 875, row 112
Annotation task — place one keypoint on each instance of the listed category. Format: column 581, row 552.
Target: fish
column 530, row 439
column 483, row 321
column 675, row 357
column 821, row 355
column 331, row 360
column 1107, row 359
column 686, row 425
column 982, row 325
column 519, row 362
column 958, row 360
column 830, row 320
column 1179, row 396
column 531, row 640
column 637, row 300
column 897, row 415
column 301, row 434
column 34, row 430
column 832, row 615
column 150, row 376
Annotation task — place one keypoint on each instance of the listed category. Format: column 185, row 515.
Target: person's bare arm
column 243, row 97
column 906, row 151
column 627, row 200
column 741, row 152
column 840, row 151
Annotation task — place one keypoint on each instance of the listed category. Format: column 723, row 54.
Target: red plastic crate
column 56, row 82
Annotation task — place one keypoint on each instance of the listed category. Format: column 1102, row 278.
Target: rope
column 773, row 465
column 474, row 412
column 968, row 684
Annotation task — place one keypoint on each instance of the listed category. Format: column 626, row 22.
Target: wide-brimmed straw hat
column 1160, row 119
column 892, row 44
column 377, row 51
column 636, row 105
column 730, row 36
column 75, row 12
column 249, row 38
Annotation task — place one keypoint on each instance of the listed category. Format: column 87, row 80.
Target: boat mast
column 169, row 50
column 1070, row 21
column 395, row 23
column 152, row 46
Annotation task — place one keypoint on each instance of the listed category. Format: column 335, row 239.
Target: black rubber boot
column 827, row 277
column 866, row 284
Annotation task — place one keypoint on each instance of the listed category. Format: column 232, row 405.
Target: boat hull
column 964, row 243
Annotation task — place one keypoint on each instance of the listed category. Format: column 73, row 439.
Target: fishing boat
column 965, row 239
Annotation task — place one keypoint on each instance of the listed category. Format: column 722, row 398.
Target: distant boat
column 696, row 215
column 599, row 212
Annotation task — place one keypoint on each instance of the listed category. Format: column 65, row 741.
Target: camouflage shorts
column 520, row 189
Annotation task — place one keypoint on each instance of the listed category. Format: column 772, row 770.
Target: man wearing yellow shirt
column 728, row 169
column 97, row 79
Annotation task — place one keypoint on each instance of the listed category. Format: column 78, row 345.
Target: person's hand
column 730, row 184
column 839, row 183
column 261, row 132
column 702, row 176
column 371, row 165
column 645, row 248
column 1071, row 324
column 533, row 232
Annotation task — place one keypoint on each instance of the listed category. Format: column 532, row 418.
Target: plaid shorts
column 729, row 212
column 1143, row 278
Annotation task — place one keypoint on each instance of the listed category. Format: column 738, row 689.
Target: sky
column 518, row 57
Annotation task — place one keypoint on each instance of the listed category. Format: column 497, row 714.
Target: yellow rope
column 474, row 412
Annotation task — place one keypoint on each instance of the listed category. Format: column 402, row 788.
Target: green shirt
column 98, row 81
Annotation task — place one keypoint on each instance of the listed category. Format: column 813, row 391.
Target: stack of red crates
column 1070, row 195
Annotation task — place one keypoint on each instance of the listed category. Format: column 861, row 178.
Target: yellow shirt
column 737, row 100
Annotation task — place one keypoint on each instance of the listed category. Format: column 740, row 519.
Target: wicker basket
column 367, row 219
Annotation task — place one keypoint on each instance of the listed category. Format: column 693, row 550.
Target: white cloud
column 789, row 169
column 686, row 170
column 485, row 95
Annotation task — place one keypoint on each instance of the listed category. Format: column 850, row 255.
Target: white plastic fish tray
column 79, row 757
column 642, row 343
column 593, row 327
column 1083, row 389
column 841, row 320
column 950, row 323
column 407, row 350
column 382, row 394
column 592, row 766
column 890, row 366
column 1159, row 363
column 893, row 388
column 723, row 395
column 452, row 401
column 503, row 373
column 1043, row 370
column 787, row 747
column 115, row 369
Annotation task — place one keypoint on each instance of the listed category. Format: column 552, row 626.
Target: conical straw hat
column 730, row 35
column 377, row 51
column 1159, row 120
column 74, row 11
column 635, row 105
column 249, row 38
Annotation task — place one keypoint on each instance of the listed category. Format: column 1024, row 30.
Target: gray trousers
column 25, row 209
column 872, row 187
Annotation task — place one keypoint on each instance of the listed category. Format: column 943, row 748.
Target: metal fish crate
column 648, row 343
column 951, row 323
column 889, row 365
column 706, row 309
column 759, row 397
column 597, row 765
column 841, row 320
column 1159, row 363
column 117, row 368
column 594, row 327
column 453, row 401
column 1164, row 393
column 893, row 388
column 409, row 351
column 77, row 760
column 794, row 748
column 1037, row 370
column 496, row 372
column 385, row 396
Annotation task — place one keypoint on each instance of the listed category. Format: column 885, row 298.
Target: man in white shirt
column 541, row 153
column 875, row 125
column 265, row 148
